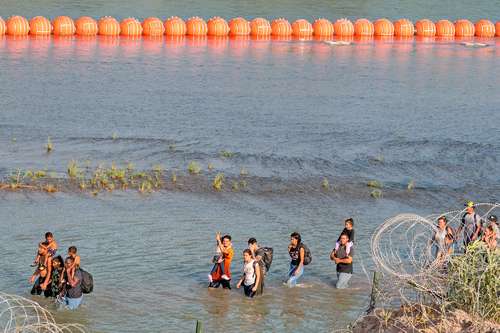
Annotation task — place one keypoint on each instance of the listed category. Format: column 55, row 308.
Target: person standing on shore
column 343, row 258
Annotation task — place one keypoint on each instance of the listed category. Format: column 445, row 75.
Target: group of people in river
column 474, row 229
column 62, row 279
column 257, row 261
column 67, row 282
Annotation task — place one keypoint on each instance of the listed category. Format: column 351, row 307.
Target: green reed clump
column 194, row 168
column 376, row 194
column 49, row 146
column 374, row 184
column 474, row 281
column 226, row 153
column 218, row 182
column 325, row 184
column 73, row 170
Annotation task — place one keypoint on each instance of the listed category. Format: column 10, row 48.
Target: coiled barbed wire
column 22, row 315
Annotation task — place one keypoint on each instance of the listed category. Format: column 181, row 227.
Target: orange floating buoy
column 383, row 27
column 484, row 28
column 40, row 26
column 153, row 26
column 131, row 27
column 217, row 26
column 281, row 27
column 445, row 28
column 323, row 28
column 108, row 26
column 17, row 26
column 239, row 27
column 404, row 28
column 86, row 26
column 464, row 28
column 3, row 27
column 196, row 26
column 302, row 28
column 64, row 26
column 343, row 28
column 260, row 27
column 497, row 29
column 175, row 26
column 363, row 27
column 425, row 28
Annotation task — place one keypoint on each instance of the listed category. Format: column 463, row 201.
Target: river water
column 291, row 113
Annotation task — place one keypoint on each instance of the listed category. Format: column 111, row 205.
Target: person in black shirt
column 342, row 255
column 348, row 230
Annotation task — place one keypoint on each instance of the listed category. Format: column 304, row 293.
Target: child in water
column 73, row 253
column 348, row 230
column 51, row 247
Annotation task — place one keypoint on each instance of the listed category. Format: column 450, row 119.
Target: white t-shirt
column 249, row 273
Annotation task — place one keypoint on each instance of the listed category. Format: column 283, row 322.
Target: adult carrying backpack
column 307, row 254
column 87, row 283
column 267, row 257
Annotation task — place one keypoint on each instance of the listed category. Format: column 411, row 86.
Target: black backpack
column 267, row 258
column 307, row 254
column 87, row 283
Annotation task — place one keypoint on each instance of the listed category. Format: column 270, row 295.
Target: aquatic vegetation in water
column 49, row 146
column 174, row 177
column 235, row 185
column 114, row 136
column 374, row 184
column 210, row 166
column 376, row 194
column 226, row 153
column 218, row 182
column 325, row 184
column 411, row 185
column 194, row 168
column 49, row 188
column 73, row 170
column 243, row 172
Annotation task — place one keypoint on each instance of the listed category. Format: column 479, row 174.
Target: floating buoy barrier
column 86, row 26
column 404, row 28
column 383, row 28
column 302, row 28
column 364, row 27
column 425, row 28
column 196, row 26
column 175, row 26
column 343, row 28
column 153, row 27
column 484, row 28
column 17, row 26
column 239, row 27
column 464, row 28
column 323, row 28
column 445, row 28
column 40, row 26
column 108, row 26
column 260, row 27
column 63, row 26
column 131, row 27
column 3, row 27
column 280, row 28
column 217, row 26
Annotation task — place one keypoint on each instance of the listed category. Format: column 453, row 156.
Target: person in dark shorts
column 251, row 275
column 259, row 254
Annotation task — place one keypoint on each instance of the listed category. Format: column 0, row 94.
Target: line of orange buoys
column 239, row 26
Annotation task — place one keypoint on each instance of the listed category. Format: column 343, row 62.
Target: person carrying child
column 221, row 273
column 42, row 275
